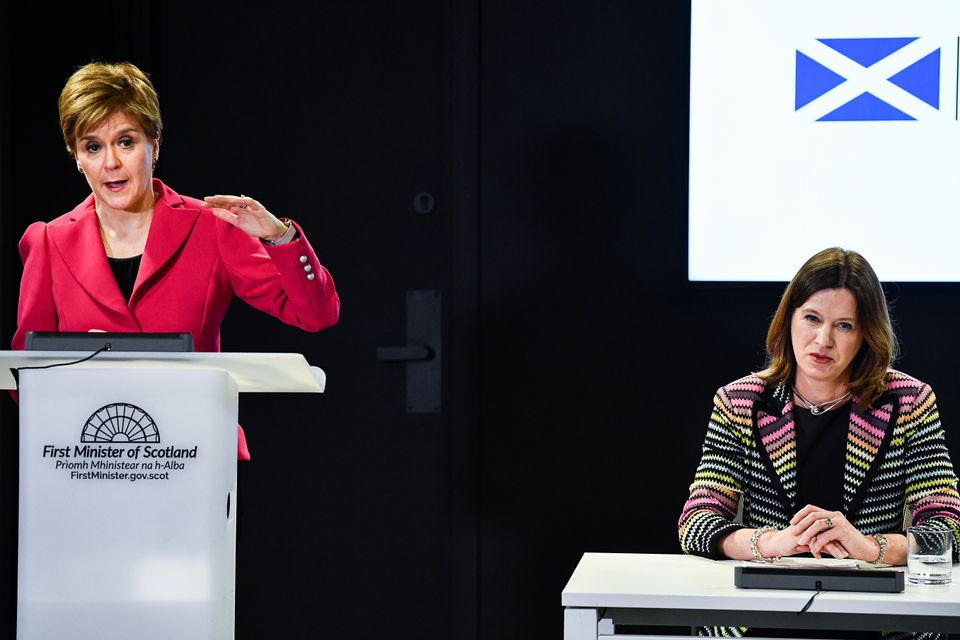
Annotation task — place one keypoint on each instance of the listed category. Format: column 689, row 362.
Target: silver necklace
column 823, row 407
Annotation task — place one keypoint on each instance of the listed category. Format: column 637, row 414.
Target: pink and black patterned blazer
column 896, row 460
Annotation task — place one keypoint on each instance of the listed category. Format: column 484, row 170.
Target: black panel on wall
column 337, row 116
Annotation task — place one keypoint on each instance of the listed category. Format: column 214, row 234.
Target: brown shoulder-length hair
column 836, row 268
column 97, row 90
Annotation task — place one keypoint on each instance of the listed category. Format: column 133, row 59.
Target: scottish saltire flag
column 873, row 78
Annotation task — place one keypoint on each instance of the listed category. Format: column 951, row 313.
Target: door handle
column 423, row 354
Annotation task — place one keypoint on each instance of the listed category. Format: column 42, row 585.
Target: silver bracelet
column 755, row 550
column 882, row 541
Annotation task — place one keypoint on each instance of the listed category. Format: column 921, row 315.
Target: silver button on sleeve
column 311, row 276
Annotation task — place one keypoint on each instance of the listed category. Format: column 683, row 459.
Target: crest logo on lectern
column 120, row 422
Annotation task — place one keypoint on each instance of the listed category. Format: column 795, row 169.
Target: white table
column 609, row 589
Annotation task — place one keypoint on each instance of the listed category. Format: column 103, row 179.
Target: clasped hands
column 819, row 532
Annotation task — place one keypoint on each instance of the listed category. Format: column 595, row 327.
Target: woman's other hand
column 770, row 544
column 780, row 543
column 247, row 214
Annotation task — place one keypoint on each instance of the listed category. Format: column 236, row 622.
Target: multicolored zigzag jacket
column 896, row 459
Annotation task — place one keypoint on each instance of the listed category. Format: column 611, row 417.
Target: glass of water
column 929, row 555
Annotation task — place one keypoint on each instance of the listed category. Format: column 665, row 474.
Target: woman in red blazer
column 135, row 256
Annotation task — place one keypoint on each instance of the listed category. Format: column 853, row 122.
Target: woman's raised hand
column 247, row 214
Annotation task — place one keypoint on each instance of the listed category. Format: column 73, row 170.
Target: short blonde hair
column 97, row 90
column 836, row 268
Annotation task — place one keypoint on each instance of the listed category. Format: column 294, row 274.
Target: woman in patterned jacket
column 828, row 446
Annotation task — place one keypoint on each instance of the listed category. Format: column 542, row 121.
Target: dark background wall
column 578, row 362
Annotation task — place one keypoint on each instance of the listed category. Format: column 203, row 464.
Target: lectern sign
column 136, row 558
column 119, row 441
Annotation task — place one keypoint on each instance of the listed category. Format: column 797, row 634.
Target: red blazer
column 192, row 266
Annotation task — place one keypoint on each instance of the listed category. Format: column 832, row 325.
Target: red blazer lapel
column 169, row 229
column 79, row 244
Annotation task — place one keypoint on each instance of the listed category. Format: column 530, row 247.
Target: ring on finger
column 829, row 522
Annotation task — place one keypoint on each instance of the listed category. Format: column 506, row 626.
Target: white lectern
column 127, row 487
